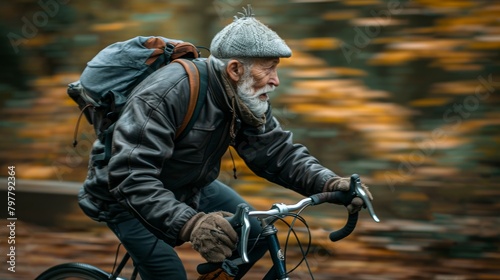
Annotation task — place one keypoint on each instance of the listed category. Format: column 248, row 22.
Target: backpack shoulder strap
column 198, row 84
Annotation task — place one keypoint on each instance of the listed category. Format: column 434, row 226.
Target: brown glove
column 343, row 184
column 211, row 235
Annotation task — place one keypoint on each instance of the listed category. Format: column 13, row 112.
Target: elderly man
column 163, row 193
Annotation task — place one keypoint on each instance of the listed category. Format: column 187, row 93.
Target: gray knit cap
column 248, row 37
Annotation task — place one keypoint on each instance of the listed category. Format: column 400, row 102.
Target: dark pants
column 158, row 260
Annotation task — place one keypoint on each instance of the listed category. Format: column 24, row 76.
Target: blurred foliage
column 404, row 93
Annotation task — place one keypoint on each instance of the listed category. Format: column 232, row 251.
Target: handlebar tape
column 338, row 197
column 347, row 229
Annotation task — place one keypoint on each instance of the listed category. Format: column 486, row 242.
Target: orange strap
column 194, row 84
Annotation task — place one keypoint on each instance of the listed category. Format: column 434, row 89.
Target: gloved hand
column 211, row 235
column 343, row 184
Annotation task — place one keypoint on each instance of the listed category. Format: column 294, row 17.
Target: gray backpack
column 112, row 74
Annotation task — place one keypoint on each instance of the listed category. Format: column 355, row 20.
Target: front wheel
column 73, row 271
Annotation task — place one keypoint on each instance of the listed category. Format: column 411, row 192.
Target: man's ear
column 235, row 70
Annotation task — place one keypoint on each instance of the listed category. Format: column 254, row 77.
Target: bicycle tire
column 72, row 271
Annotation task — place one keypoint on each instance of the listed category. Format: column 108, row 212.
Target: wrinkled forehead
column 266, row 61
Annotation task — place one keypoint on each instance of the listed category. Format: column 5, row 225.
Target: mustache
column 265, row 89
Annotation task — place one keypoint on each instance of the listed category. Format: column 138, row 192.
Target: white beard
column 251, row 98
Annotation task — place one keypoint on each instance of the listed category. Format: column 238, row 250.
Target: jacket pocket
column 194, row 148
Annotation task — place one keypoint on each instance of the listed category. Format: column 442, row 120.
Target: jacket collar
column 216, row 85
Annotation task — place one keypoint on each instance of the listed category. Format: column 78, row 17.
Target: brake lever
column 240, row 220
column 360, row 192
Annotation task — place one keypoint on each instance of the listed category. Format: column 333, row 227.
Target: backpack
column 109, row 78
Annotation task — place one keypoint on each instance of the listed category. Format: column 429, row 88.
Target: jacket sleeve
column 272, row 155
column 143, row 142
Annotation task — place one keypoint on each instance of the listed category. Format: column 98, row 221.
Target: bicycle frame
column 278, row 270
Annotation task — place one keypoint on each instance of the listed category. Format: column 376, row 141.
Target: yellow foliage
column 326, row 43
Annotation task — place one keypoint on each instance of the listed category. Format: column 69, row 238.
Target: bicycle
column 240, row 220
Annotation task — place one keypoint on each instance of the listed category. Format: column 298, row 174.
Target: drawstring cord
column 234, row 164
column 75, row 133
column 232, row 134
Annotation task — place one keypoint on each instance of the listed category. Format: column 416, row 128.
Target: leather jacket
column 156, row 179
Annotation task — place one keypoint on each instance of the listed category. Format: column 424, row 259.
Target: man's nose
column 275, row 81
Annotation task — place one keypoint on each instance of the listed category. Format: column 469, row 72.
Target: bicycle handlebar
column 242, row 214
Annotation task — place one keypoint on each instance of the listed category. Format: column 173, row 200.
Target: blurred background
column 404, row 93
